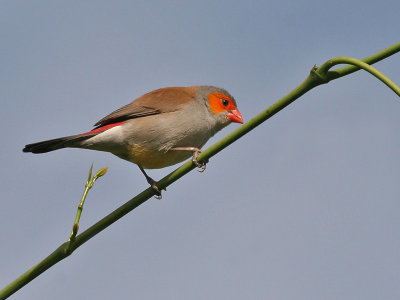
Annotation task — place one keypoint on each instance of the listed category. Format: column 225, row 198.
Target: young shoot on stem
column 89, row 183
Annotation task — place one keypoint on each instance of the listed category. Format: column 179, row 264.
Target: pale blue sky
column 304, row 207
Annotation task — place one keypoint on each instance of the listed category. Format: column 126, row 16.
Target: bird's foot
column 153, row 184
column 202, row 166
column 196, row 151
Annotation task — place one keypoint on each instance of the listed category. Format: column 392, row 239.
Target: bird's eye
column 225, row 102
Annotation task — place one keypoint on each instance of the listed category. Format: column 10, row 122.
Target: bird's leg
column 152, row 183
column 196, row 152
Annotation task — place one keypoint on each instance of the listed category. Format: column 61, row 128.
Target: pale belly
column 153, row 159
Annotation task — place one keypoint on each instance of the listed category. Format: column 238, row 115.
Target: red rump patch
column 102, row 128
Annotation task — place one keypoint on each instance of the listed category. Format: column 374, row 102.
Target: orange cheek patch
column 215, row 103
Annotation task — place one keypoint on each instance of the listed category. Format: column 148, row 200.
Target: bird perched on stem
column 158, row 129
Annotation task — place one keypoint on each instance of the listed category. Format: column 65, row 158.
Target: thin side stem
column 374, row 58
column 324, row 72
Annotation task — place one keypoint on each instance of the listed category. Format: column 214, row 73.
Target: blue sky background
column 306, row 206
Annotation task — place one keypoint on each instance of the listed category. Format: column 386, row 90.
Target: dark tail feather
column 55, row 144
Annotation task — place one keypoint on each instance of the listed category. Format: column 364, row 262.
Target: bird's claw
column 156, row 189
column 196, row 152
column 158, row 195
column 153, row 184
column 202, row 166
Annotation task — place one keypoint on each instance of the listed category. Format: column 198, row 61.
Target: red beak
column 235, row 116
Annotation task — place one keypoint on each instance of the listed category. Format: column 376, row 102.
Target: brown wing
column 156, row 102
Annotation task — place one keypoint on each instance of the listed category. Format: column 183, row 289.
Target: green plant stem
column 325, row 74
column 89, row 183
column 75, row 227
column 316, row 77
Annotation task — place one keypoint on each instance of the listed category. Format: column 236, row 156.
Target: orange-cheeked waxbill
column 158, row 129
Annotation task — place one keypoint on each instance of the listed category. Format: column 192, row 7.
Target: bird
column 159, row 129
